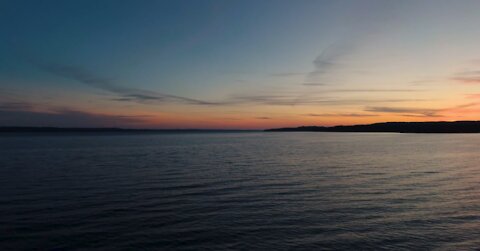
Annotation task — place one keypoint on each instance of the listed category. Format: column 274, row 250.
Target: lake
column 239, row 191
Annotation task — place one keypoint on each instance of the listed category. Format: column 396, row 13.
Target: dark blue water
column 240, row 191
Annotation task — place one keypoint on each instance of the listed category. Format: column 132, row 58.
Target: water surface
column 244, row 191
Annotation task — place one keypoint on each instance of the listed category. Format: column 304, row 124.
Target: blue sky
column 237, row 64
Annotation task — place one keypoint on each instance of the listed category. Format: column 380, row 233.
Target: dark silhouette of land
column 400, row 127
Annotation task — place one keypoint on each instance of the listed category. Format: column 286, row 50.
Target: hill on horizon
column 400, row 127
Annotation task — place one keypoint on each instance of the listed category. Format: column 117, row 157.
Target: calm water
column 240, row 191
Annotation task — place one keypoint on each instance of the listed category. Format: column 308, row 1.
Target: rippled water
column 240, row 191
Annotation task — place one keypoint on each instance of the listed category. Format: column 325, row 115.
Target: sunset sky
column 237, row 64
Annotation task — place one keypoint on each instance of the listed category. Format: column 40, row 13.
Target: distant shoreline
column 398, row 127
column 19, row 129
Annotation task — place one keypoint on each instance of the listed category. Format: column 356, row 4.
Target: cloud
column 263, row 118
column 229, row 118
column 336, row 57
column 66, row 118
column 422, row 116
column 364, row 22
column 419, row 112
column 464, row 106
column 473, row 96
column 361, row 90
column 122, row 99
column 23, row 114
column 314, row 84
column 12, row 106
column 421, row 82
column 373, row 90
column 329, row 59
column 467, row 77
column 143, row 97
column 288, row 74
column 268, row 99
column 414, row 111
column 294, row 99
column 126, row 94
column 341, row 115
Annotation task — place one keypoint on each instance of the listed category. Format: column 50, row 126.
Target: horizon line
column 3, row 128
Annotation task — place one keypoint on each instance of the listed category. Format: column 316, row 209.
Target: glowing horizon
column 237, row 64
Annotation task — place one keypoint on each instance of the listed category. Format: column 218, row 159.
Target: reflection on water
column 240, row 191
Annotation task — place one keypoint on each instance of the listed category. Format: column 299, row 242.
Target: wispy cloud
column 421, row 82
column 263, row 118
column 422, row 116
column 467, row 77
column 314, row 84
column 328, row 59
column 295, row 99
column 126, row 94
column 419, row 112
column 407, row 111
column 32, row 114
column 364, row 23
column 13, row 106
column 341, row 115
column 473, row 96
column 267, row 99
column 337, row 57
column 288, row 74
column 373, row 90
column 360, row 90
column 67, row 118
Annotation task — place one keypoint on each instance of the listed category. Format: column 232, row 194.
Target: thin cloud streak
column 422, row 116
column 365, row 24
column 146, row 96
column 30, row 114
column 293, row 100
column 288, row 74
column 373, row 90
column 13, row 106
column 361, row 90
column 128, row 94
column 329, row 59
column 473, row 96
column 467, row 77
column 314, row 84
column 66, row 118
column 402, row 110
column 418, row 112
column 359, row 115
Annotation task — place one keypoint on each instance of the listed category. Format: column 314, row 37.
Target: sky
column 243, row 64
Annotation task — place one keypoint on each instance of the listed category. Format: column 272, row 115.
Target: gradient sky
column 237, row 64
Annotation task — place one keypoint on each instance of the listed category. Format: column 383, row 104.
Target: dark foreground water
column 240, row 191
